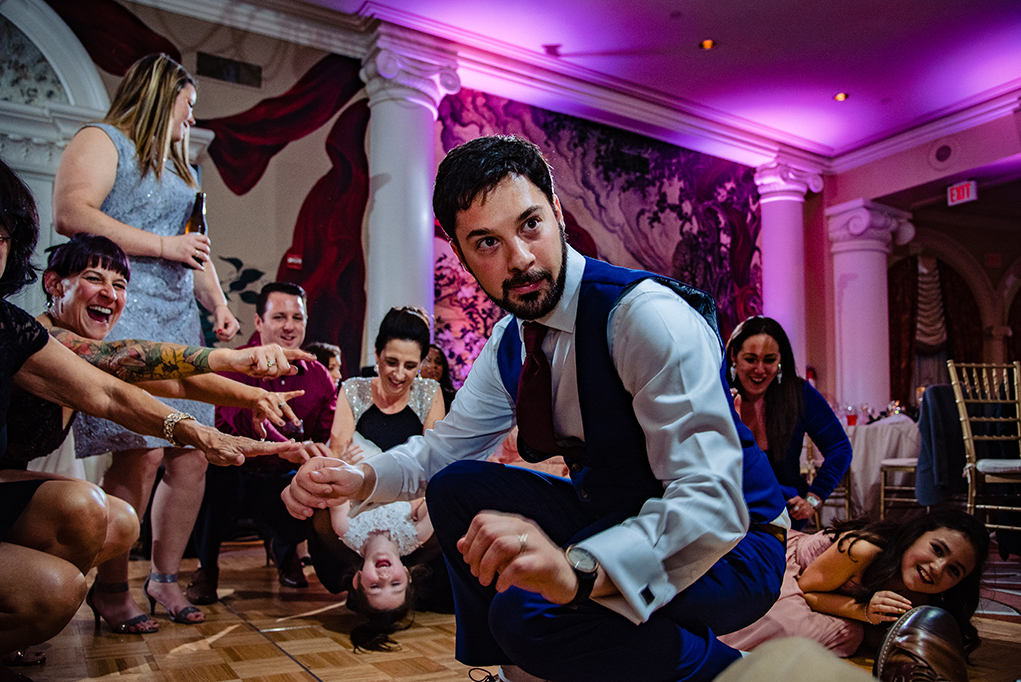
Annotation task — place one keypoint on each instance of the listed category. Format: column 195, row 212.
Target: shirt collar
column 562, row 317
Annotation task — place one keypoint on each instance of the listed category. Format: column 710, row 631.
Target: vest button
column 575, row 467
column 583, row 493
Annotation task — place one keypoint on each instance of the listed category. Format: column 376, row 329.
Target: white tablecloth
column 893, row 438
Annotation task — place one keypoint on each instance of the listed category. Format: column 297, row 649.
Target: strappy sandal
column 128, row 627
column 179, row 617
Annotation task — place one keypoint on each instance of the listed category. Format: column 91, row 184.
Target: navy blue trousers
column 589, row 643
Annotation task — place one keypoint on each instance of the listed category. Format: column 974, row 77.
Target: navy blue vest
column 611, row 474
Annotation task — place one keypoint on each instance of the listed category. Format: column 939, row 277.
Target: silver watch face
column 582, row 560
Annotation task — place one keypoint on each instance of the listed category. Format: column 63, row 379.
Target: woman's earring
column 779, row 373
column 375, row 369
column 733, row 373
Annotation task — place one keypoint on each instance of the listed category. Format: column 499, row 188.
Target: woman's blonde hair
column 143, row 106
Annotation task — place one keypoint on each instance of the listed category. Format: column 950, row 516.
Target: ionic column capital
column 777, row 181
column 865, row 225
column 403, row 66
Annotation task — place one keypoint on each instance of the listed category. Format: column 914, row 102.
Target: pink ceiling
column 778, row 62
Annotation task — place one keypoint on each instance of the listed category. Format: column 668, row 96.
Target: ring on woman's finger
column 523, row 539
column 271, row 363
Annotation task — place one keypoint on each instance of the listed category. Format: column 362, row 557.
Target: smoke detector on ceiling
column 943, row 152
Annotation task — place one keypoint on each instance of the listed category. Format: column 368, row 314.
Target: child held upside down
column 382, row 590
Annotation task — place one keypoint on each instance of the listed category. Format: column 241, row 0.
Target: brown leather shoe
column 290, row 571
column 202, row 588
column 923, row 644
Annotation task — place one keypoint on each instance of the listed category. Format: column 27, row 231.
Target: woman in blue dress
column 128, row 179
column 780, row 408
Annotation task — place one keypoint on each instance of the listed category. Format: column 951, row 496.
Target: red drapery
column 246, row 142
column 964, row 323
column 113, row 36
column 902, row 294
column 328, row 233
column 960, row 310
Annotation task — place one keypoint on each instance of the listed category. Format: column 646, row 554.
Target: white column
column 862, row 233
column 405, row 82
column 781, row 197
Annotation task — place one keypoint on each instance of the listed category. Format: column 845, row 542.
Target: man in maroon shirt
column 253, row 489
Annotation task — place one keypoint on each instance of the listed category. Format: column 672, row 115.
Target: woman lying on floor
column 858, row 573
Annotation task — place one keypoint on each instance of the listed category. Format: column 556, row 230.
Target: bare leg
column 39, row 595
column 130, row 478
column 65, row 518
column 122, row 529
column 174, row 509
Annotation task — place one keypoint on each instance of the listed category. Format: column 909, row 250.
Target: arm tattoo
column 134, row 360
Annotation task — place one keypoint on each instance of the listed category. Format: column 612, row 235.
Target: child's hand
column 886, row 606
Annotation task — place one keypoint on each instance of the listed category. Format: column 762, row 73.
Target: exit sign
column 962, row 192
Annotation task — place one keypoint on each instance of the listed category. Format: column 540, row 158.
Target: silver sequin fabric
column 359, row 396
column 393, row 518
column 161, row 294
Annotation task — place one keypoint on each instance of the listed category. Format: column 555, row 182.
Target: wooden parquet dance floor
column 262, row 632
column 258, row 632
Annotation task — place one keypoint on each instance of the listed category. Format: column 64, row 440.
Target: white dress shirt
column 668, row 359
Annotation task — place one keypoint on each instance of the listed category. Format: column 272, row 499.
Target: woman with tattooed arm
column 52, row 530
column 85, row 282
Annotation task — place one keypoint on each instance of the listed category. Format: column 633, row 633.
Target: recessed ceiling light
column 841, row 96
column 707, row 44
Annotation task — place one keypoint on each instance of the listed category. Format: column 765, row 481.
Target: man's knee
column 452, row 495
column 526, row 631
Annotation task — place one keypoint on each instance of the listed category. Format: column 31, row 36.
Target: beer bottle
column 197, row 220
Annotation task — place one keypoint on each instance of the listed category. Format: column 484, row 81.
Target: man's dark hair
column 21, row 221
column 284, row 288
column 474, row 168
column 86, row 251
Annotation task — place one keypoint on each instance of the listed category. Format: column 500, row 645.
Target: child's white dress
column 393, row 518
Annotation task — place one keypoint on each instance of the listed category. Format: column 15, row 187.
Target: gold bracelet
column 170, row 425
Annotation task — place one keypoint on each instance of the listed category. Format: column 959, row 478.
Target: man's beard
column 539, row 303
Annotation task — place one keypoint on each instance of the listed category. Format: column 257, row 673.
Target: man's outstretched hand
column 323, row 482
column 515, row 552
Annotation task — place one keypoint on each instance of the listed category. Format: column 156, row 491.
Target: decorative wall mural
column 627, row 199
column 25, row 75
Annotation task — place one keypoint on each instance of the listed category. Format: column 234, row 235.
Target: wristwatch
column 586, row 567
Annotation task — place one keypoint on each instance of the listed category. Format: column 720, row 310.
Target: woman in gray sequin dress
column 128, row 179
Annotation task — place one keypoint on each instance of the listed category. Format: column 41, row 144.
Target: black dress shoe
column 202, row 588
column 923, row 644
column 290, row 571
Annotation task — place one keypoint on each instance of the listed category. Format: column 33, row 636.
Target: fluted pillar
column 405, row 80
column 781, row 198
column 862, row 233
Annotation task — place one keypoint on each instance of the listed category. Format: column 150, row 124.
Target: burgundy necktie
column 535, row 394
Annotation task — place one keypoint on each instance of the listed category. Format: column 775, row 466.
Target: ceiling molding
column 974, row 115
column 299, row 23
column 507, row 70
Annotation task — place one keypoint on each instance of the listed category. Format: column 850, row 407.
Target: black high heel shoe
column 128, row 627
column 179, row 617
